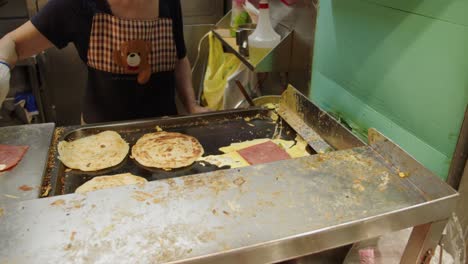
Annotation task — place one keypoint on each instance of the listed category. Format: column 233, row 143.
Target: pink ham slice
column 264, row 153
column 10, row 156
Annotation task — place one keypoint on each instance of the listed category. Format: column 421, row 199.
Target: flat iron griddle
column 213, row 131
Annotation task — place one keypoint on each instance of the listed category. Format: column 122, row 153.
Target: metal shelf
column 277, row 60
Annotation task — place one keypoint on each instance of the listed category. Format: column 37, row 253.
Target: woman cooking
column 134, row 50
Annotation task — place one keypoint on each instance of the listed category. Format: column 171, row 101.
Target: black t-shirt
column 119, row 53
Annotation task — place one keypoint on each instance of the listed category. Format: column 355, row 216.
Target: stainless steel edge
column 460, row 156
column 409, row 169
column 30, row 170
column 224, row 22
column 279, row 211
column 329, row 238
column 330, row 130
column 295, row 121
column 170, row 119
column 277, row 60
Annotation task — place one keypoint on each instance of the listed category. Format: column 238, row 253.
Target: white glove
column 4, row 81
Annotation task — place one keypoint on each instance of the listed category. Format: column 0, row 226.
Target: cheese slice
column 285, row 144
column 232, row 159
column 299, row 150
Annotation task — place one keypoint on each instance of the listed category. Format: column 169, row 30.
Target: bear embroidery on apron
column 123, row 46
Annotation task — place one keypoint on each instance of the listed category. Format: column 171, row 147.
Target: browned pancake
column 93, row 153
column 166, row 150
column 107, row 182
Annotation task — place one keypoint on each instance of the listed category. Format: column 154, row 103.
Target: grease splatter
column 25, row 188
column 58, row 203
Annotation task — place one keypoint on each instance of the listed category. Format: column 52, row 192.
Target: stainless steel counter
column 30, row 170
column 258, row 214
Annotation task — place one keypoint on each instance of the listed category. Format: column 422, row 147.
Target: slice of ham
column 264, row 153
column 10, row 156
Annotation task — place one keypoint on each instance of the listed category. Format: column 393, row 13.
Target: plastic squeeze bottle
column 264, row 38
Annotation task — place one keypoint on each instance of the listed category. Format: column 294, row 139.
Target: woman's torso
column 106, row 43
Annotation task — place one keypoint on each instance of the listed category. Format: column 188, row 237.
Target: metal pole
column 460, row 156
column 422, row 242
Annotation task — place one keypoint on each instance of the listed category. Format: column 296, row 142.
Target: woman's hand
column 184, row 87
column 197, row 109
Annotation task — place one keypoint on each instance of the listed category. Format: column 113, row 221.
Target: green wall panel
column 453, row 11
column 405, row 74
column 341, row 103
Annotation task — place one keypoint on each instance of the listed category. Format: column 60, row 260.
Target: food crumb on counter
column 138, row 198
column 276, row 194
column 25, row 188
column 58, row 203
column 47, row 191
column 239, row 181
column 403, row 175
column 235, row 207
column 156, row 200
column 141, row 196
column 159, row 129
column 206, row 237
column 225, row 212
column 2, row 212
column 11, row 196
column 107, row 230
column 72, row 236
column 359, row 187
column 77, row 204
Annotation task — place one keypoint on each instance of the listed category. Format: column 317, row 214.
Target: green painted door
column 398, row 66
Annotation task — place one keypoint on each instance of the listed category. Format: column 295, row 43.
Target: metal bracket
column 423, row 241
column 427, row 257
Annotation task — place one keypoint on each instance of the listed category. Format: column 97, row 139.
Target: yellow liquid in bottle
column 256, row 55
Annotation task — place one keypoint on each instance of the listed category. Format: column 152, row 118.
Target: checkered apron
column 109, row 32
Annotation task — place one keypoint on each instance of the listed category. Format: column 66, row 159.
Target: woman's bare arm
column 184, row 87
column 22, row 43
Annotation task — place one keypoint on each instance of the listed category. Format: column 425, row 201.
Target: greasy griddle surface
column 213, row 131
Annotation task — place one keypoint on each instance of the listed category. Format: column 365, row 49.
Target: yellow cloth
column 220, row 66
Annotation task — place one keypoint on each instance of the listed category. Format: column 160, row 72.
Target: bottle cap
column 263, row 4
column 239, row 2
